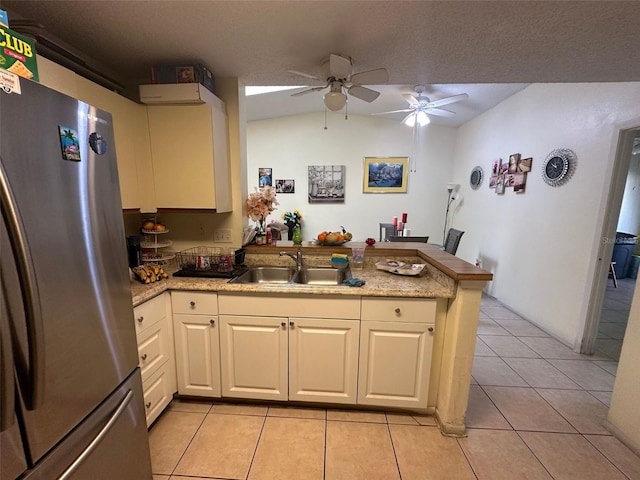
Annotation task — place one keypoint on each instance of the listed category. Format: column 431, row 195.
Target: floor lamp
column 451, row 196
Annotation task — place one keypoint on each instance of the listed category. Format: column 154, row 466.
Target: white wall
column 542, row 245
column 629, row 221
column 290, row 144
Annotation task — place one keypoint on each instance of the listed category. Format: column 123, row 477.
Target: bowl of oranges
column 334, row 238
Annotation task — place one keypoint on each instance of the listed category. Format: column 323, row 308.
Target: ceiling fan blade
column 363, row 93
column 441, row 112
column 448, row 100
column 308, row 90
column 394, row 111
column 411, row 99
column 340, row 67
column 370, row 77
column 305, row 75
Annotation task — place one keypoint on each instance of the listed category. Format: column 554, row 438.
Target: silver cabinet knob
column 143, row 356
column 397, row 310
column 291, row 324
column 140, row 319
column 212, row 322
column 193, row 304
column 148, row 404
column 284, row 324
column 430, row 329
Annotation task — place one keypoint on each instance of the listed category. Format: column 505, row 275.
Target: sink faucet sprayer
column 297, row 258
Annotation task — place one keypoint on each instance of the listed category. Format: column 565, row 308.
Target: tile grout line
column 473, row 470
column 324, row 461
column 533, row 453
column 255, row 450
column 188, row 444
column 393, row 447
column 607, row 457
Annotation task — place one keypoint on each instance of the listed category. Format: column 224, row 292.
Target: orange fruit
column 322, row 236
column 341, row 238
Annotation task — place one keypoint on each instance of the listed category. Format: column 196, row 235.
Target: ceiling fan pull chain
column 325, row 118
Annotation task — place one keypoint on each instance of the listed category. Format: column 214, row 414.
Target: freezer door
column 111, row 444
column 67, row 197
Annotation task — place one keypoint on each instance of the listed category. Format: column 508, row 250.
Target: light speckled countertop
column 432, row 283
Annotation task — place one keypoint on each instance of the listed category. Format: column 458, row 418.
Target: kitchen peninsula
column 380, row 328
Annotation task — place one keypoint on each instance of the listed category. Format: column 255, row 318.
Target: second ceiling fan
column 420, row 107
column 341, row 82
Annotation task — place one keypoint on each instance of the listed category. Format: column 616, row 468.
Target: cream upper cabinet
column 132, row 140
column 396, row 344
column 57, row 77
column 190, row 155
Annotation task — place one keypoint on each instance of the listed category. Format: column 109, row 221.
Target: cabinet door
column 197, row 355
column 130, row 129
column 323, row 360
column 254, row 357
column 395, row 363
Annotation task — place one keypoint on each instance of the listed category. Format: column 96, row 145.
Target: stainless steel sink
column 325, row 276
column 266, row 275
column 321, row 276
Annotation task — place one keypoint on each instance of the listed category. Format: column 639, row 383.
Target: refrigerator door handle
column 98, row 438
column 34, row 389
column 7, row 386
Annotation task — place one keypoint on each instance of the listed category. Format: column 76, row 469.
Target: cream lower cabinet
column 196, row 330
column 155, row 354
column 254, row 357
column 396, row 343
column 289, row 355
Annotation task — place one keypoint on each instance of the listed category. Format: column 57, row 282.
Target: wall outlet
column 222, row 235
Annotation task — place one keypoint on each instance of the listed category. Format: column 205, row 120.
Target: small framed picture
column 519, row 182
column 493, row 181
column 495, row 170
column 524, row 165
column 264, row 177
column 514, row 158
column 500, row 185
column 285, row 186
column 69, row 143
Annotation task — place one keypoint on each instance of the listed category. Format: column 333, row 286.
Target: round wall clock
column 559, row 166
column 476, row 177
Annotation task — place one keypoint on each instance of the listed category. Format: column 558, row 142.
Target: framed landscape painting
column 385, row 174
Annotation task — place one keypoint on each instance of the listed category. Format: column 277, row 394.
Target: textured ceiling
column 429, row 42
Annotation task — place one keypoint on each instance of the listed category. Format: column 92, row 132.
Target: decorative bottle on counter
column 297, row 235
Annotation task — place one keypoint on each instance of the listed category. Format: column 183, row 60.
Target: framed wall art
column 385, row 174
column 264, row 177
column 326, row 183
column 285, row 186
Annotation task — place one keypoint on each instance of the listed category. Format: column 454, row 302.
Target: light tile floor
column 535, row 412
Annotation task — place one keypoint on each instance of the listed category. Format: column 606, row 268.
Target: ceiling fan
column 420, row 107
column 341, row 82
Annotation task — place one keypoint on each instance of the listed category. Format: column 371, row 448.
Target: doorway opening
column 619, row 255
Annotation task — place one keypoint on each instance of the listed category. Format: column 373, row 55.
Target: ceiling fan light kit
column 342, row 82
column 420, row 107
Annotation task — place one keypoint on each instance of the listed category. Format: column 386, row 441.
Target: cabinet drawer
column 153, row 348
column 150, row 312
column 417, row 310
column 158, row 392
column 195, row 303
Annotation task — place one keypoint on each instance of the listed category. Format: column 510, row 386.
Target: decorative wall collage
column 510, row 174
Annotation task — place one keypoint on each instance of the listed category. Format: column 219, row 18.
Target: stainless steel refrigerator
column 71, row 403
